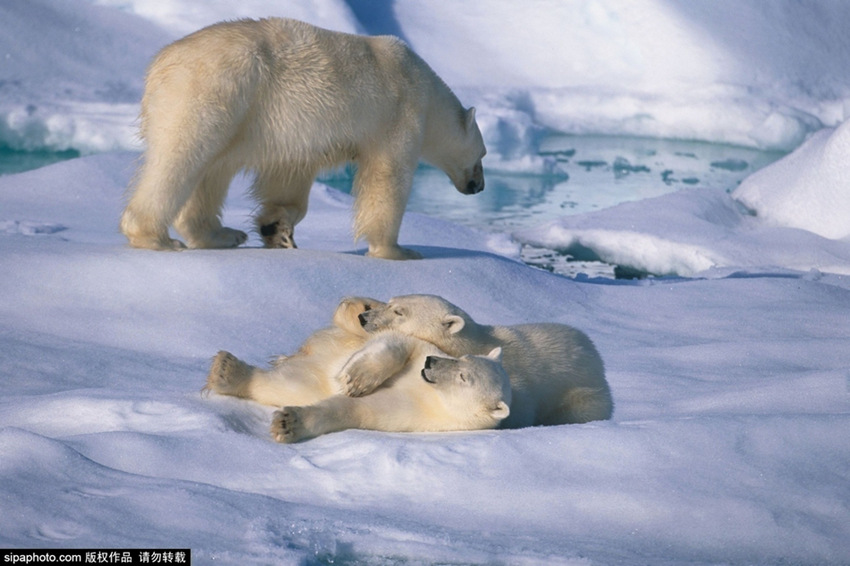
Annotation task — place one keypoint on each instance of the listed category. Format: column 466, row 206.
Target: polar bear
column 285, row 100
column 422, row 389
column 556, row 373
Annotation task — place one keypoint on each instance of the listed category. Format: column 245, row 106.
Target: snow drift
column 728, row 443
column 808, row 189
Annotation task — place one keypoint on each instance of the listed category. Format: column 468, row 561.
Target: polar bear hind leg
column 199, row 220
column 189, row 120
column 229, row 375
column 583, row 405
column 283, row 193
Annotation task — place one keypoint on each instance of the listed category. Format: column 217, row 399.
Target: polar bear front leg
column 347, row 313
column 379, row 359
column 290, row 425
column 388, row 410
column 382, row 186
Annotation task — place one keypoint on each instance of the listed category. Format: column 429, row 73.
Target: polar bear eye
column 462, row 377
column 398, row 312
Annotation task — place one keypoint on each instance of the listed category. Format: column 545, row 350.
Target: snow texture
column 729, row 441
column 728, row 444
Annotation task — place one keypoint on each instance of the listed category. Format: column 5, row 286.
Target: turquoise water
column 593, row 172
column 20, row 161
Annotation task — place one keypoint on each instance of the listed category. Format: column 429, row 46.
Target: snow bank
column 808, row 189
column 751, row 73
column 689, row 233
column 72, row 75
column 728, row 443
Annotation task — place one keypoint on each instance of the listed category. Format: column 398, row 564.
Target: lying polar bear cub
column 421, row 388
column 556, row 373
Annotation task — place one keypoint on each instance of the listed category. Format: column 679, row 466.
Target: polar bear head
column 346, row 315
column 427, row 317
column 458, row 148
column 475, row 390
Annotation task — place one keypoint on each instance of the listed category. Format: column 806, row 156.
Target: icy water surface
column 19, row 161
column 591, row 173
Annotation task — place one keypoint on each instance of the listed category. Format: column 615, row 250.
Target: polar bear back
column 294, row 80
column 557, row 375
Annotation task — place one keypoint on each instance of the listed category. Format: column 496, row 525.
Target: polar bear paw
column 278, row 234
column 160, row 243
column 288, row 425
column 225, row 238
column 393, row 252
column 228, row 375
column 360, row 378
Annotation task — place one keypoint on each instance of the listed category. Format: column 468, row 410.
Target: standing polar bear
column 285, row 99
column 421, row 388
column 556, row 373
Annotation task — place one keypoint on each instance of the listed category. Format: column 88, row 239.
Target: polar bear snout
column 473, row 182
column 364, row 320
column 430, row 361
column 370, row 320
column 426, row 378
column 434, row 374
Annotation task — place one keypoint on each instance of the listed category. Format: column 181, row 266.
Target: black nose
column 428, row 362
column 362, row 318
column 473, row 187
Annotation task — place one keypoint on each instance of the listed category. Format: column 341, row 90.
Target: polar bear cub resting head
column 556, row 373
column 434, row 394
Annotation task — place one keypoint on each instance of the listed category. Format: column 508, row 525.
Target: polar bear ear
column 501, row 411
column 470, row 118
column 453, row 323
column 495, row 354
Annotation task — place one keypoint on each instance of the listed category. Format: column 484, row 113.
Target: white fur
column 409, row 384
column 556, row 373
column 285, row 100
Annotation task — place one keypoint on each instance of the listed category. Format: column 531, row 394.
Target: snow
column 730, row 375
column 728, row 444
